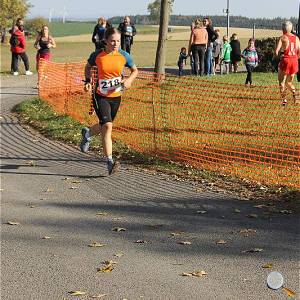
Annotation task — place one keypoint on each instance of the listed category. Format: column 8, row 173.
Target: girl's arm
column 127, row 82
column 52, row 42
column 36, row 46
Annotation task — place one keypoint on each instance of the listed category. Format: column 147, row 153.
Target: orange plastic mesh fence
column 222, row 127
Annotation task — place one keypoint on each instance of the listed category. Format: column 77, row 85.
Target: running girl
column 43, row 43
column 107, row 95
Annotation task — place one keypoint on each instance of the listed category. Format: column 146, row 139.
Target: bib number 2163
column 110, row 85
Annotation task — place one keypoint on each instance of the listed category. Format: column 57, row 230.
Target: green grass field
column 58, row 29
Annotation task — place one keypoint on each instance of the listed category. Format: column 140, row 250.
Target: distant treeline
column 218, row 21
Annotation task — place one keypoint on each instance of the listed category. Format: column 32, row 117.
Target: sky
column 96, row 8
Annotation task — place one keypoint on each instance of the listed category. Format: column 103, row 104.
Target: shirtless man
column 288, row 49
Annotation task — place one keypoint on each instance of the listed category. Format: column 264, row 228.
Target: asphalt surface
column 54, row 190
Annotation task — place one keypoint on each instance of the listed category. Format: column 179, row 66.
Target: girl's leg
column 106, row 131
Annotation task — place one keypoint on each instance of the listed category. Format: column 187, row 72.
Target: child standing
column 251, row 60
column 182, row 59
column 225, row 55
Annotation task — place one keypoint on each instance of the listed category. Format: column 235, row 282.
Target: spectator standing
column 43, row 43
column 217, row 50
column 235, row 53
column 288, row 49
column 225, row 55
column 182, row 60
column 99, row 32
column 197, row 45
column 128, row 31
column 212, row 36
column 251, row 60
column 17, row 47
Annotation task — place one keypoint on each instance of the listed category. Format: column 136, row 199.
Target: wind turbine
column 64, row 14
column 50, row 14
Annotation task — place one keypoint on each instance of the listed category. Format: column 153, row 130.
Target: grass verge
column 41, row 117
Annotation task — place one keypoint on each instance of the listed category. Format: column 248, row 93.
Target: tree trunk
column 162, row 38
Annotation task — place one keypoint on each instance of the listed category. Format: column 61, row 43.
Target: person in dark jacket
column 212, row 36
column 128, row 31
column 17, row 48
column 98, row 33
column 235, row 53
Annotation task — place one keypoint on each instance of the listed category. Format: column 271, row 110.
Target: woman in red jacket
column 18, row 45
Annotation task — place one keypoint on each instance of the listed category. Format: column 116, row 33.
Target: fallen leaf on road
column 65, row 178
column 76, row 293
column 13, row 223
column 201, row 212
column 289, row 292
column 46, row 237
column 73, row 187
column 176, row 233
column 247, row 232
column 49, row 190
column 199, row 273
column 101, row 213
column 260, row 206
column 236, row 210
column 98, row 296
column 254, row 216
column 141, row 242
column 195, row 274
column 95, row 244
column 119, row 254
column 76, row 181
column 109, row 266
column 221, row 242
column 253, row 250
column 185, row 243
column 30, row 163
column 186, row 274
column 118, row 229
column 268, row 266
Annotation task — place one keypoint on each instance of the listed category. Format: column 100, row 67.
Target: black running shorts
column 106, row 108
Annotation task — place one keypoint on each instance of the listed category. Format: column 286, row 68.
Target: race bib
column 111, row 85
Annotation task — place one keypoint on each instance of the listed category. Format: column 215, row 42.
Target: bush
column 35, row 25
column 266, row 49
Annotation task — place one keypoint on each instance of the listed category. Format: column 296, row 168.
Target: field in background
column 86, row 28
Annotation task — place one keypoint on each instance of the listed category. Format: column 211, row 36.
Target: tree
column 10, row 11
column 162, row 38
column 154, row 9
column 35, row 25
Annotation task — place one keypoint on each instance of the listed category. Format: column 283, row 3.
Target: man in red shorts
column 288, row 48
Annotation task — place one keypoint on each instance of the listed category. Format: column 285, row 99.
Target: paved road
column 36, row 193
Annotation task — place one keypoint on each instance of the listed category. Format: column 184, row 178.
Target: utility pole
column 162, row 38
column 227, row 12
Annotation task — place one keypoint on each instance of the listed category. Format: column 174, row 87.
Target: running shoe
column 113, row 167
column 85, row 142
column 28, row 73
column 15, row 73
